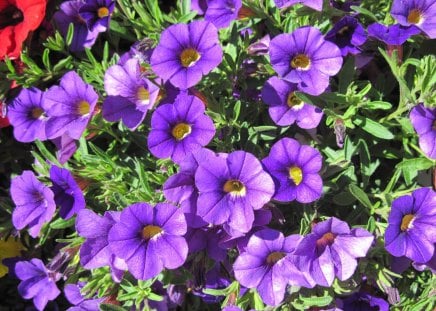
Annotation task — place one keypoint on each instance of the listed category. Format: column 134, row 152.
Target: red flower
column 4, row 121
column 17, row 19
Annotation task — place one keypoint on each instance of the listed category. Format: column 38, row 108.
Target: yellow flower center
column 83, row 107
column 296, row 175
column 414, row 17
column 181, row 130
column 234, row 187
column 37, row 112
column 143, row 94
column 274, row 257
column 327, row 239
column 103, row 12
column 293, row 101
column 150, row 231
column 301, row 62
column 407, row 222
column 189, row 57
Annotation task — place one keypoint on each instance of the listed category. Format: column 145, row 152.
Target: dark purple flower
column 222, row 12
column 37, row 282
column 314, row 4
column 231, row 189
column 344, row 5
column 34, row 202
column 295, row 169
column 71, row 105
column 130, row 94
column 393, row 34
column 331, row 250
column 260, row 47
column 362, row 301
column 73, row 294
column 348, row 34
column 421, row 13
column 265, row 265
column 66, row 148
column 97, row 13
column 305, row 58
column 285, row 107
column 69, row 14
column 207, row 239
column 150, row 239
column 179, row 129
column 411, row 230
column 199, row 5
column 424, row 121
column 67, row 193
column 27, row 114
column 186, row 52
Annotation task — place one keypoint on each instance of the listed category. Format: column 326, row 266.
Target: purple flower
column 69, row 14
column 37, row 282
column 150, row 239
column 130, row 94
column 97, row 13
column 348, row 34
column 74, row 296
column 260, row 47
column 305, row 58
column 393, row 34
column 67, row 193
column 27, row 115
column 285, row 107
column 71, row 105
column 424, row 121
column 421, row 13
column 179, row 129
column 264, row 265
column 411, row 230
column 314, row 4
column 199, row 5
column 331, row 250
column 295, row 169
column 34, row 202
column 362, row 301
column 222, row 12
column 66, row 148
column 207, row 239
column 186, row 52
column 231, row 189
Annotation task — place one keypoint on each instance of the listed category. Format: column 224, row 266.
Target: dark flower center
column 296, row 174
column 83, row 108
column 414, row 17
column 143, row 94
column 301, row 62
column 274, row 257
column 327, row 239
column 150, row 231
column 36, row 113
column 407, row 222
column 344, row 31
column 103, row 12
column 293, row 100
column 234, row 187
column 434, row 125
column 181, row 130
column 189, row 57
column 10, row 16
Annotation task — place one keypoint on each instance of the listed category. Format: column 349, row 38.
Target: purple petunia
column 130, row 95
column 97, row 13
column 186, row 52
column 66, row 147
column 331, row 250
column 314, row 4
column 150, row 239
column 199, row 5
column 37, row 282
column 306, row 58
column 71, row 105
column 362, row 301
column 424, row 121
column 420, row 13
column 393, row 34
column 179, row 129
column 222, row 12
column 295, row 169
column 285, row 107
column 411, row 230
column 231, row 189
column 34, row 202
column 67, row 193
column 81, row 303
column 348, row 34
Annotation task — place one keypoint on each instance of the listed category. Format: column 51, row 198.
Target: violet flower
column 222, row 12
column 73, row 294
column 97, row 13
column 424, row 121
column 348, row 34
column 314, row 4
column 393, row 34
column 66, row 147
column 362, row 301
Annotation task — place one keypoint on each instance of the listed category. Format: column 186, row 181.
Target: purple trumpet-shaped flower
column 222, row 12
column 424, row 121
column 37, row 282
column 285, row 107
column 295, row 170
column 393, row 34
column 67, row 193
column 411, row 230
column 314, row 4
column 66, row 147
column 130, row 94
column 71, row 105
column 306, row 58
column 206, row 238
column 74, row 296
column 420, row 13
column 331, row 250
column 150, row 239
column 34, row 202
column 27, row 114
column 348, row 34
column 186, row 52
column 231, row 189
column 362, row 301
column 97, row 13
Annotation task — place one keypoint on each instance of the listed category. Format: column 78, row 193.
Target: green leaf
column 377, row 105
column 360, row 195
column 110, row 307
column 417, row 164
column 372, row 127
column 62, row 223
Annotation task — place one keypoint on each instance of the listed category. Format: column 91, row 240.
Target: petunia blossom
column 348, row 34
column 424, row 121
column 314, row 4
column 222, row 12
column 97, row 13
column 393, row 34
